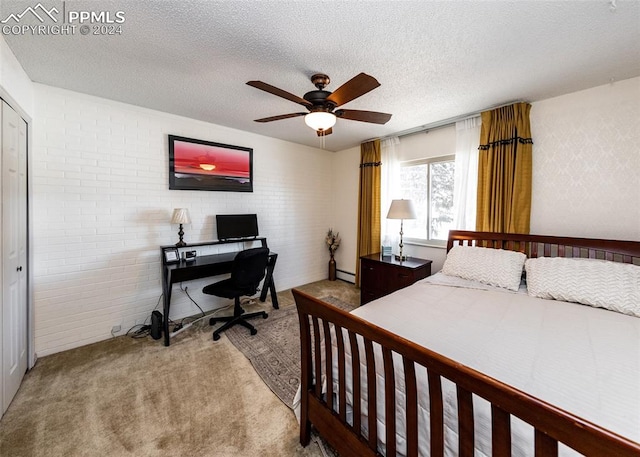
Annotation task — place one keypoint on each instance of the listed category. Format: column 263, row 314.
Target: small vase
column 332, row 269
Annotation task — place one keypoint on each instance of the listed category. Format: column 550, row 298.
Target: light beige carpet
column 274, row 352
column 128, row 397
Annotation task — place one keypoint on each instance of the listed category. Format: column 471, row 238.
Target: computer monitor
column 232, row 226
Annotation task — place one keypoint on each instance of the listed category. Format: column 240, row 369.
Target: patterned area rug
column 274, row 351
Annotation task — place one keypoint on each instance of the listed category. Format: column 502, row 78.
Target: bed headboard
column 550, row 246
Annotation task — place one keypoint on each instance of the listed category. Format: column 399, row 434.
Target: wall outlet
column 116, row 328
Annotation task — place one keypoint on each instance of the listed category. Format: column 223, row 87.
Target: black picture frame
column 171, row 255
column 205, row 165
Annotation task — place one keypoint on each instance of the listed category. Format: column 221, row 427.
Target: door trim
column 31, row 350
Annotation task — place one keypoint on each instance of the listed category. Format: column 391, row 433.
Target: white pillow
column 600, row 283
column 496, row 267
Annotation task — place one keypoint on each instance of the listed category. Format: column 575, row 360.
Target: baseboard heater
column 346, row 276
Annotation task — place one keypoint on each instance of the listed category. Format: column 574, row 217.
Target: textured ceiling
column 434, row 60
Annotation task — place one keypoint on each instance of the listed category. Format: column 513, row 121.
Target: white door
column 14, row 253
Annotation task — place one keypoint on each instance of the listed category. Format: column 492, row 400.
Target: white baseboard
column 346, row 276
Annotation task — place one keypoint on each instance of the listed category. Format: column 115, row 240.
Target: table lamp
column 401, row 209
column 180, row 216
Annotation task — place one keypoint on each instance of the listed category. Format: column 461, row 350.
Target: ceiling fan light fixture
column 320, row 120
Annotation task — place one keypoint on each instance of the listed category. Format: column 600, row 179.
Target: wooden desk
column 203, row 267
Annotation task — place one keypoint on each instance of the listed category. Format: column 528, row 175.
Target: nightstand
column 379, row 276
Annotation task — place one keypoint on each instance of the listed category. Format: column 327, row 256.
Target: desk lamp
column 401, row 209
column 180, row 216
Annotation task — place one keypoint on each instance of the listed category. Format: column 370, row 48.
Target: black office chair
column 247, row 271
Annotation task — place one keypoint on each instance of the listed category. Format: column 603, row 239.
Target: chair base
column 239, row 318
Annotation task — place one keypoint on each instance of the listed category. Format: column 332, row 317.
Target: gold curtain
column 504, row 170
column 368, row 202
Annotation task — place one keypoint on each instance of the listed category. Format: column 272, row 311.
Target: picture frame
column 171, row 255
column 204, row 165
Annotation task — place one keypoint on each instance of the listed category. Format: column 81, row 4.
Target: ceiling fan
column 322, row 104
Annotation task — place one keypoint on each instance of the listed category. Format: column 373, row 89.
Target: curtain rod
column 439, row 124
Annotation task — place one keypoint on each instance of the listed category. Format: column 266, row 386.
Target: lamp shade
column 401, row 209
column 320, row 120
column 180, row 216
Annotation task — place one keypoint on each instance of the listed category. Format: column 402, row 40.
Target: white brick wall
column 102, row 208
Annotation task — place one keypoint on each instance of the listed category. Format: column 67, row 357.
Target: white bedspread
column 584, row 360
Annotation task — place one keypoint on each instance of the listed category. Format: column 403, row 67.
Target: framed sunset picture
column 204, row 165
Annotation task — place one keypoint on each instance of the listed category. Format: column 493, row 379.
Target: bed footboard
column 326, row 408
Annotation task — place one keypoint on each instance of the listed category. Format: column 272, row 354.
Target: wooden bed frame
column 551, row 424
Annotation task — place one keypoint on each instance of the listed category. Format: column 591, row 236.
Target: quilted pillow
column 496, row 267
column 600, row 283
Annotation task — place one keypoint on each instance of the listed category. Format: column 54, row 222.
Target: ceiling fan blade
column 363, row 116
column 279, row 92
column 282, row 116
column 354, row 88
column 329, row 131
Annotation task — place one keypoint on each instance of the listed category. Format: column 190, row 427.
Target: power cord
column 144, row 328
column 142, row 332
column 182, row 323
column 194, row 302
column 182, row 327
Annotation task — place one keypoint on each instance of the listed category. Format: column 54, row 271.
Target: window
column 429, row 183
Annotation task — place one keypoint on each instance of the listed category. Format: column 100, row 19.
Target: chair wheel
column 216, row 337
column 265, row 315
column 253, row 331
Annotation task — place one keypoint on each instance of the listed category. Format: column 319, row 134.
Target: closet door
column 14, row 253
